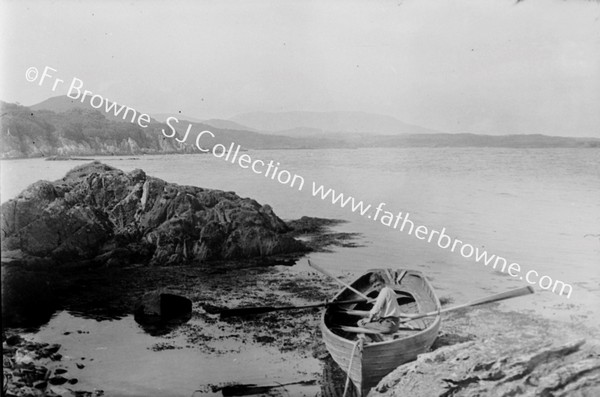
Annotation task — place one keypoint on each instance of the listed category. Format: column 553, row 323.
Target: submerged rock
column 101, row 214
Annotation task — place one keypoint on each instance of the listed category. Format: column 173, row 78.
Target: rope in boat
column 359, row 345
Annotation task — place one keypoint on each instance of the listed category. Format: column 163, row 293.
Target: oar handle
column 325, row 272
column 492, row 298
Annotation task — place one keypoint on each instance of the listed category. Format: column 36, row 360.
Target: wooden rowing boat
column 368, row 360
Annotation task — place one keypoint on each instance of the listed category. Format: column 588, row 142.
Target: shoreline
column 291, row 333
column 296, row 334
column 91, row 157
column 110, row 293
column 105, row 290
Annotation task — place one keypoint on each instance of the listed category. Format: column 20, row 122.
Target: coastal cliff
column 83, row 132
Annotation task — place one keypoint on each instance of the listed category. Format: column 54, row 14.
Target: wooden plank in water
column 254, row 389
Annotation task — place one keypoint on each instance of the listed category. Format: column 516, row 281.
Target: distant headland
column 61, row 126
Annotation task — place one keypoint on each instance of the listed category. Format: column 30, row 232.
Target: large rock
column 102, row 213
column 161, row 307
column 512, row 355
column 561, row 370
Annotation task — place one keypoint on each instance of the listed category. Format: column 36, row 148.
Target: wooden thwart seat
column 377, row 336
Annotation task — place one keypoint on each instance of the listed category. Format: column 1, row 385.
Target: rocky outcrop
column 37, row 369
column 103, row 214
column 517, row 355
column 560, row 370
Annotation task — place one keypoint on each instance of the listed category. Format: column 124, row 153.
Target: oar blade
column 504, row 295
column 493, row 298
column 212, row 309
column 246, row 311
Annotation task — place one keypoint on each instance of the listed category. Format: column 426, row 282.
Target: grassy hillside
column 77, row 131
column 80, row 131
column 25, row 132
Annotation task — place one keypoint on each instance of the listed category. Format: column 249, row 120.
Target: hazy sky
column 480, row 66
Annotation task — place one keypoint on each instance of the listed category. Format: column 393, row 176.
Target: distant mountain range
column 328, row 122
column 61, row 126
column 53, row 128
column 313, row 124
column 218, row 123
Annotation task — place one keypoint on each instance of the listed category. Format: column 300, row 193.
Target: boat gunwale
column 435, row 323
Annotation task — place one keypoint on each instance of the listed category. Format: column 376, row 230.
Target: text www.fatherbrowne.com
column 272, row 170
column 401, row 221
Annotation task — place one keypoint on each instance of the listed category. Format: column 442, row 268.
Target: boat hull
column 367, row 362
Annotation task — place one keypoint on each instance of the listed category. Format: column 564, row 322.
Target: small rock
column 60, row 371
column 73, row 381
column 58, row 391
column 48, row 351
column 80, row 366
column 40, row 372
column 31, row 346
column 14, row 340
column 40, row 384
column 22, row 358
column 27, row 391
column 56, row 357
column 57, row 380
column 16, row 381
column 81, row 393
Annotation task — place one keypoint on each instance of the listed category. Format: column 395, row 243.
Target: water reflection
column 28, row 299
column 164, row 327
column 31, row 297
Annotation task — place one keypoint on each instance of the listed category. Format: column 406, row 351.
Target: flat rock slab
column 507, row 354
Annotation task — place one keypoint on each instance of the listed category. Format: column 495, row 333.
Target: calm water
column 537, row 207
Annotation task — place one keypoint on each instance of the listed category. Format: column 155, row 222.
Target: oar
column 357, row 313
column 325, row 272
column 246, row 311
column 361, row 330
column 492, row 298
column 255, row 389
